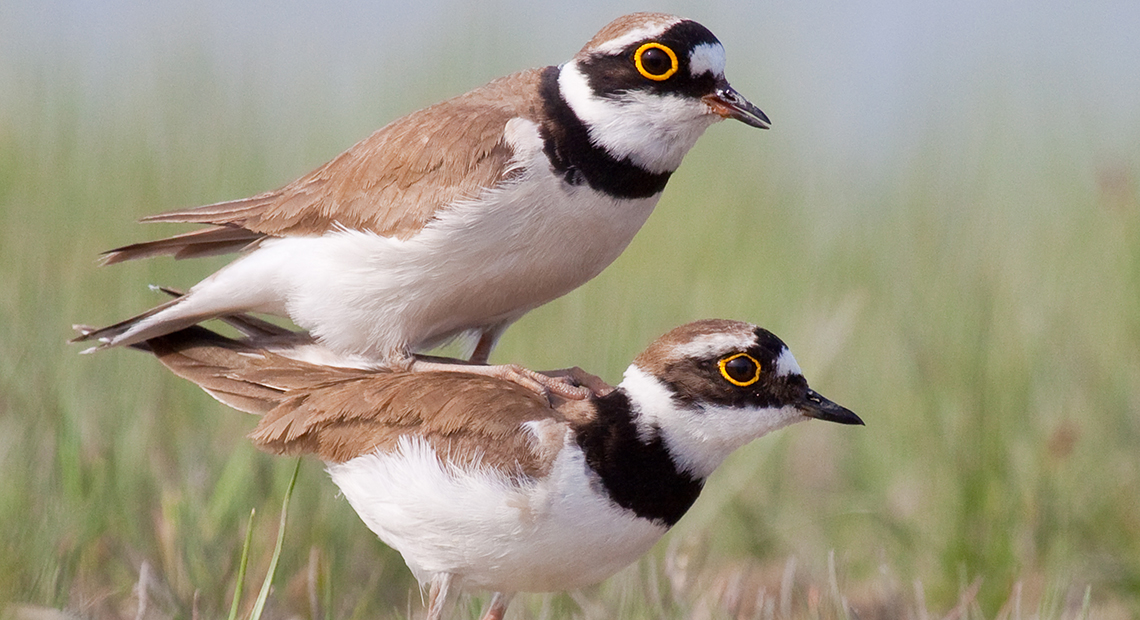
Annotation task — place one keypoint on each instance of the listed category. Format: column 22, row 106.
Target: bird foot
column 580, row 378
column 569, row 383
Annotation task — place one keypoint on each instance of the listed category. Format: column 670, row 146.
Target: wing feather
column 396, row 180
column 338, row 413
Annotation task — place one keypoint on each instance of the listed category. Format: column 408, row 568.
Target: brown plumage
column 627, row 23
column 479, row 483
column 456, row 220
column 337, row 413
column 389, row 183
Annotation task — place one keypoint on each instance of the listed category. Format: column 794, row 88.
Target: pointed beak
column 818, row 407
column 728, row 103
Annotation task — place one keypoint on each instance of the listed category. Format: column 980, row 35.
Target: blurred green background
column 943, row 223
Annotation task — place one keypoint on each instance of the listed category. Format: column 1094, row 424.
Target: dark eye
column 741, row 369
column 655, row 61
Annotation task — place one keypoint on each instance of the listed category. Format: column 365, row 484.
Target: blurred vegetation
column 977, row 305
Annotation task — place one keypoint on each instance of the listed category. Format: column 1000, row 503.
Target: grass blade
column 265, row 585
column 241, row 567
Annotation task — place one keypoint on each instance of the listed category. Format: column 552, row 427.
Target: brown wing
column 226, row 369
column 393, row 182
column 340, row 413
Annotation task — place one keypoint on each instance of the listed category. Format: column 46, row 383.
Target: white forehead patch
column 786, row 365
column 646, row 32
column 707, row 58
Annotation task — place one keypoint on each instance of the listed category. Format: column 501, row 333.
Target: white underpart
column 707, row 58
column 493, row 531
column 701, row 437
column 319, row 355
column 481, row 264
column 653, row 131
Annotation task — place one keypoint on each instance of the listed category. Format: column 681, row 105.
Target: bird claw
column 569, row 383
column 581, row 379
column 547, row 384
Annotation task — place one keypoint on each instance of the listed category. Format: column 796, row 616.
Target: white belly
column 490, row 531
column 477, row 266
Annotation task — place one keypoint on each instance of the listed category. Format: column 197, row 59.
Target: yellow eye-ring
column 655, row 61
column 741, row 369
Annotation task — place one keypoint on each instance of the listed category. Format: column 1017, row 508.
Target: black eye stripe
column 614, row 74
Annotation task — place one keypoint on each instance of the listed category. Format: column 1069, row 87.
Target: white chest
column 480, row 263
column 492, row 531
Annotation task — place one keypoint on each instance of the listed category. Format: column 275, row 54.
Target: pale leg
column 498, row 608
column 437, row 595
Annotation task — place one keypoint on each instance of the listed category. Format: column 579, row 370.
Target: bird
column 452, row 222
column 480, row 483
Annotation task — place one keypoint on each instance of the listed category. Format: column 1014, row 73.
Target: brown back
column 393, row 182
column 338, row 413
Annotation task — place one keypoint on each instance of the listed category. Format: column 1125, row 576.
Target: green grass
column 977, row 306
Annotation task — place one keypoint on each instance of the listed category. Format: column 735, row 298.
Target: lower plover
column 481, row 483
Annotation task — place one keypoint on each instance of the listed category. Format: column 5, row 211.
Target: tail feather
column 112, row 335
column 172, row 316
column 195, row 244
column 245, row 285
column 244, row 322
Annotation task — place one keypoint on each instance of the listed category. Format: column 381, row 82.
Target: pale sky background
column 848, row 84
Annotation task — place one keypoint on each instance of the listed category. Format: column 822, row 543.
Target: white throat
column 698, row 438
column 653, row 131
